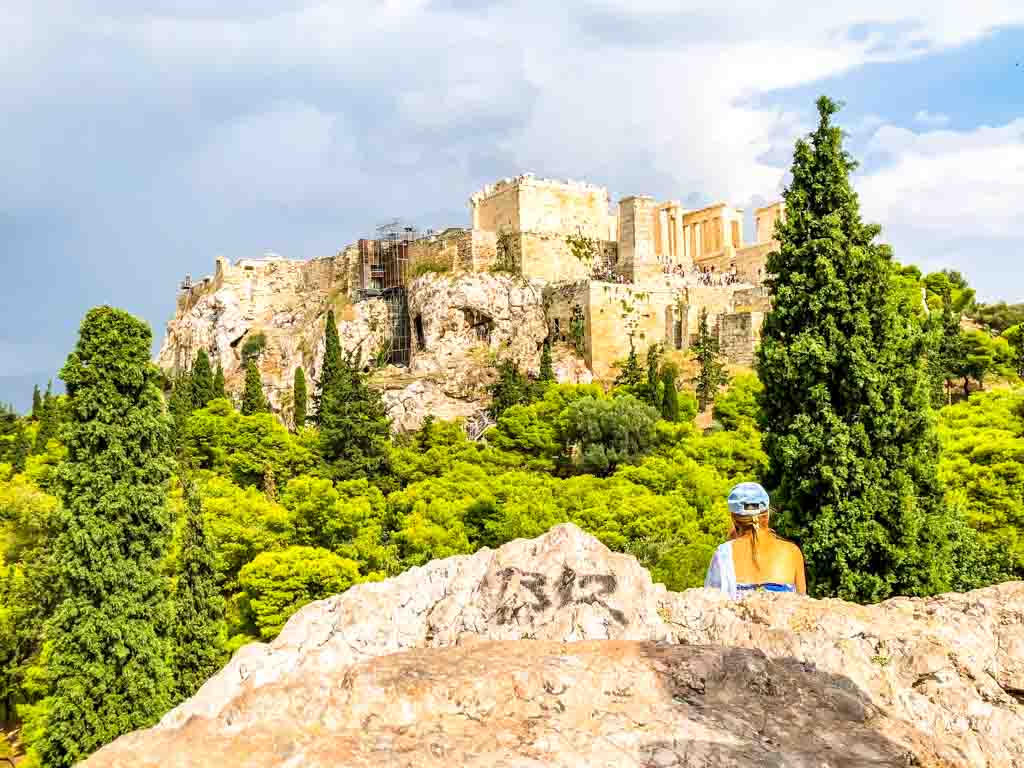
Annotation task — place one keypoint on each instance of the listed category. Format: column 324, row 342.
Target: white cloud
column 932, row 120
column 953, row 199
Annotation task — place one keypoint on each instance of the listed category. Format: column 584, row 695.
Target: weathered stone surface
column 462, row 323
column 790, row 681
column 408, row 406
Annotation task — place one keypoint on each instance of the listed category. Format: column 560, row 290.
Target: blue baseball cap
column 745, row 494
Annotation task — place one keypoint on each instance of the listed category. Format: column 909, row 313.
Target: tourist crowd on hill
column 703, row 275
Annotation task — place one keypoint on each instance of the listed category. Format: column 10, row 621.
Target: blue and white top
column 722, row 575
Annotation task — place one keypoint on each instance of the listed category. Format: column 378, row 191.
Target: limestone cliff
column 477, row 660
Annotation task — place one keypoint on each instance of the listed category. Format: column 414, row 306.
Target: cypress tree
column 202, row 380
column 299, row 398
column 630, row 375
column 48, row 421
column 106, row 671
column 37, row 403
column 253, row 400
column 652, row 395
column 180, row 407
column 199, row 607
column 670, row 398
column 332, row 363
column 218, row 384
column 547, row 371
column 712, row 371
column 354, row 428
column 845, row 408
column 22, row 449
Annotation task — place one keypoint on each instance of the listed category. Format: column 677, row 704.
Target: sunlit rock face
column 556, row 651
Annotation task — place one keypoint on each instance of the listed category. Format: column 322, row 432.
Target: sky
column 140, row 139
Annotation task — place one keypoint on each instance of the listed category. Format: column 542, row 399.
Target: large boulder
column 477, row 660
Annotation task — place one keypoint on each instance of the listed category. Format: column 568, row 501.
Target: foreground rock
column 371, row 675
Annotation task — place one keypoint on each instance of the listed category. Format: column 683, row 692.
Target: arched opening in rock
column 421, row 337
column 479, row 323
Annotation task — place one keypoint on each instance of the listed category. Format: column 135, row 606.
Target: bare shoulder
column 791, row 548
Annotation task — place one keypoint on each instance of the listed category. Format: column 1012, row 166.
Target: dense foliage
column 847, row 402
column 105, row 668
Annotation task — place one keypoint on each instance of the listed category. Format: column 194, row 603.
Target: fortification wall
column 529, row 204
column 615, row 312
column 750, row 261
column 738, row 335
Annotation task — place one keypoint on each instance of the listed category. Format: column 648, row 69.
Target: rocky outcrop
column 463, row 324
column 283, row 301
column 477, row 660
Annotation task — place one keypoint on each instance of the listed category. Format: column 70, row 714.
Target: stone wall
column 750, row 261
column 738, row 335
column 529, row 204
column 615, row 312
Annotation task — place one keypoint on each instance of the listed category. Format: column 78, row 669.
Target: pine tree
column 22, row 448
column 106, row 668
column 202, row 380
column 332, row 363
column 253, row 400
column 354, row 428
column 845, row 407
column 630, row 375
column 712, row 374
column 198, row 605
column 670, row 397
column 48, row 421
column 511, row 388
column 547, row 371
column 299, row 398
column 219, row 393
column 37, row 403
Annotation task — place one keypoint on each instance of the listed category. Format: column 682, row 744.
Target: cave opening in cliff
column 482, row 325
column 421, row 337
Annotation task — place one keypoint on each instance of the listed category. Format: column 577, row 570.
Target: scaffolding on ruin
column 384, row 273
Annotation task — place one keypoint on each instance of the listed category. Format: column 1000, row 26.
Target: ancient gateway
column 540, row 259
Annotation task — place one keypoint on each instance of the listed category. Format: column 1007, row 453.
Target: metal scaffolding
column 384, row 273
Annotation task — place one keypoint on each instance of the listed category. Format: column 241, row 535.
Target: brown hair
column 753, row 524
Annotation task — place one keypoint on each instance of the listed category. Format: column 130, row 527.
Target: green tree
column 354, row 429
column 511, row 388
column 198, row 606
column 630, row 375
column 37, row 403
column 180, row 406
column 651, row 393
column 846, row 406
column 253, row 399
column 22, row 448
column 219, row 392
column 738, row 406
column 48, row 422
column 670, row 397
column 605, row 433
column 299, row 398
column 277, row 584
column 712, row 374
column 332, row 363
column 107, row 667
column 202, row 380
column 253, row 347
column 978, row 359
column 1014, row 336
column 547, row 371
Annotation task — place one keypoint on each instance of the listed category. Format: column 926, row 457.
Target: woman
column 755, row 557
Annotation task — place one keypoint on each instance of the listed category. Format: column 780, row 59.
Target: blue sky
column 142, row 139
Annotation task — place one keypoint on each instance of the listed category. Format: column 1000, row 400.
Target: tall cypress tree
column 332, row 363
column 106, row 671
column 652, row 392
column 37, row 402
column 202, row 380
column 22, row 448
column 180, row 406
column 253, row 399
column 299, row 398
column 47, row 422
column 198, row 605
column 670, row 397
column 712, row 370
column 547, row 371
column 354, row 427
column 845, row 407
column 218, row 384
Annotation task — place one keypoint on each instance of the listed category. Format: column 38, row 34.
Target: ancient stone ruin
column 541, row 260
column 556, row 651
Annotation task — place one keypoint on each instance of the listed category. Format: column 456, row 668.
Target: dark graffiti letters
column 570, row 588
